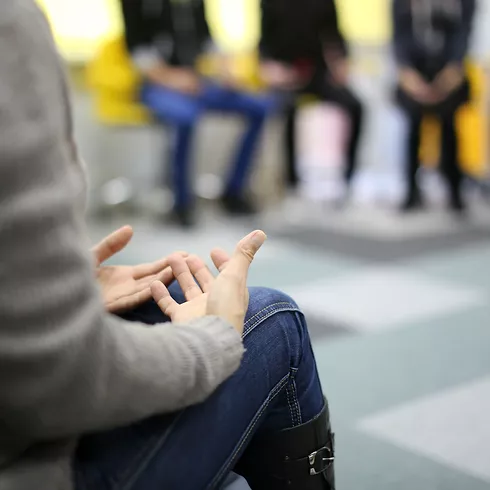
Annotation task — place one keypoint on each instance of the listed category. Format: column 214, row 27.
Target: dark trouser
column 276, row 387
column 449, row 164
column 342, row 97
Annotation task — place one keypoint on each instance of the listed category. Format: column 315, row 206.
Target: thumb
column 245, row 252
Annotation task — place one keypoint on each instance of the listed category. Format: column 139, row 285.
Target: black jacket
column 429, row 34
column 300, row 29
column 175, row 31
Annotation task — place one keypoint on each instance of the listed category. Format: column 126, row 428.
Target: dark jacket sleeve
column 267, row 27
column 461, row 38
column 402, row 32
column 203, row 26
column 333, row 39
column 137, row 28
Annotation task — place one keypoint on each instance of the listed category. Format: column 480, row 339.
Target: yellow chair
column 472, row 125
column 115, row 85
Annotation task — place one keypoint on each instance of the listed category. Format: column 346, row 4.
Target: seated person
column 431, row 39
column 303, row 51
column 94, row 398
column 165, row 38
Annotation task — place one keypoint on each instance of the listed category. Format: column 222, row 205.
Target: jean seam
column 157, row 444
column 291, row 409
column 272, row 394
column 264, row 314
column 292, row 399
column 296, row 402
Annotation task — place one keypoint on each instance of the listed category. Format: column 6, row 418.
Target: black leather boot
column 301, row 458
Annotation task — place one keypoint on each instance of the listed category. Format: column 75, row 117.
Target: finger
column 145, row 282
column 220, row 258
column 129, row 302
column 163, row 299
column 112, row 244
column 152, row 268
column 184, row 277
column 244, row 254
column 201, row 272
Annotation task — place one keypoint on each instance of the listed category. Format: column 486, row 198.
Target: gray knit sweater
column 66, row 366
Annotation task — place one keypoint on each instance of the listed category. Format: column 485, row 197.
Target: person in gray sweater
column 92, row 396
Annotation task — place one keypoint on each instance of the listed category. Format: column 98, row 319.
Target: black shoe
column 183, row 216
column 238, row 205
column 301, row 458
column 457, row 205
column 413, row 202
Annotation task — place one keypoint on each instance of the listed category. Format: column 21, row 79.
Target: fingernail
column 258, row 238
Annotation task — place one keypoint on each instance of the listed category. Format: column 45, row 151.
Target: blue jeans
column 276, row 387
column 182, row 111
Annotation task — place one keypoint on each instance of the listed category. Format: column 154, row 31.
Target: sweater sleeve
column 66, row 366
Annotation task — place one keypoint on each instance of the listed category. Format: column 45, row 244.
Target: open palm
column 225, row 296
column 125, row 287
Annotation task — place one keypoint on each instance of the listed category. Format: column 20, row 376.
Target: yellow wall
column 365, row 21
column 80, row 25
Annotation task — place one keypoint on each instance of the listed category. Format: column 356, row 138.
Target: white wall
column 481, row 39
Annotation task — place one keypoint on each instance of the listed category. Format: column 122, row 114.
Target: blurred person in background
column 303, row 52
column 165, row 39
column 91, row 397
column 431, row 41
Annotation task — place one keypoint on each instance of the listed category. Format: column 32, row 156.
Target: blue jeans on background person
column 276, row 387
column 183, row 111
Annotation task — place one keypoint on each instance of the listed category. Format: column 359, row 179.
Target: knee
column 266, row 302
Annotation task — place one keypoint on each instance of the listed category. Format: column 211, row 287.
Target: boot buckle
column 320, row 460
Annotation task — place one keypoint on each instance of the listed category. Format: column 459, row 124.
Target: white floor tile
column 375, row 298
column 452, row 428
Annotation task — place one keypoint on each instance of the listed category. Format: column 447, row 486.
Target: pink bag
column 321, row 135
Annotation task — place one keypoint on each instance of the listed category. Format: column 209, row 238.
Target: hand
column 184, row 80
column 279, row 75
column 225, row 296
column 340, row 71
column 414, row 85
column 125, row 287
column 226, row 74
column 448, row 80
column 180, row 79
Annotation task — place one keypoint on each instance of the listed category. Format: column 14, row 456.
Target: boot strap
column 318, row 462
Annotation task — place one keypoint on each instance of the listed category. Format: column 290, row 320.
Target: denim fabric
column 182, row 111
column 276, row 387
